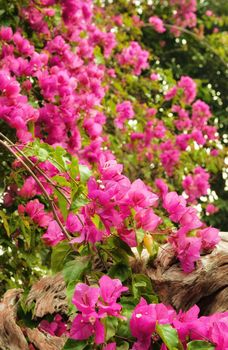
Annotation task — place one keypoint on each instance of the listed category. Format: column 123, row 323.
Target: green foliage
column 168, row 335
column 198, row 345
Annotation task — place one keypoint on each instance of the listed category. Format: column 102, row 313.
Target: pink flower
column 211, row 209
column 54, row 234
column 189, row 89
column 157, row 24
column 6, row 33
column 209, row 236
column 209, row 13
column 56, row 328
column 110, row 291
column 162, row 187
column 110, row 346
column 84, row 327
column 147, row 220
column 139, row 196
column 175, row 205
column 187, row 249
column 143, row 322
column 124, row 112
column 85, row 298
column 190, row 219
column 214, row 152
column 135, row 57
column 196, row 185
column 154, row 76
column 184, row 320
column 128, row 236
column 200, row 114
column 171, row 93
column 37, row 213
column 74, row 223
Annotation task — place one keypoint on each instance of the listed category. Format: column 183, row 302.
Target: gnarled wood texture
column 49, row 296
column 206, row 286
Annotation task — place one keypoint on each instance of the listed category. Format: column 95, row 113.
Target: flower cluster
column 196, row 185
column 187, row 324
column 157, row 24
column 192, row 237
column 184, row 14
column 134, row 56
column 95, row 304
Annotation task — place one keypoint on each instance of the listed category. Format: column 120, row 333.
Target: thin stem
column 8, row 147
column 36, row 167
column 195, row 36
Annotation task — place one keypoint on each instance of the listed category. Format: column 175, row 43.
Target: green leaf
column 62, row 203
column 85, row 173
column 200, row 345
column 74, row 269
column 123, row 346
column 5, row 222
column 75, row 345
column 99, row 57
column 168, row 335
column 121, row 271
column 61, row 180
column 74, row 167
column 140, row 233
column 59, row 256
column 111, row 324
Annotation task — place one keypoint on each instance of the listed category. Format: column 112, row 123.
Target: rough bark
column 49, row 296
column 206, row 286
column 11, row 335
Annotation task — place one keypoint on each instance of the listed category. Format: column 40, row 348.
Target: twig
column 8, row 147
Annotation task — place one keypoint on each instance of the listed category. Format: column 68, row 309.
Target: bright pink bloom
column 110, row 346
column 189, row 88
column 143, row 322
column 147, row 220
column 211, row 209
column 200, row 114
column 135, row 57
column 184, row 320
column 124, row 112
column 157, row 24
column 162, row 187
column 74, row 223
column 209, row 236
column 187, row 249
column 110, row 291
column 6, row 33
column 36, row 211
column 154, row 76
column 175, row 205
column 171, row 93
column 54, row 234
column 85, row 298
column 139, row 196
column 56, row 328
column 84, row 327
column 196, row 185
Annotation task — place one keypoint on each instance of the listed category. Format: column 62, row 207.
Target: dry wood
column 11, row 335
column 206, row 286
column 49, row 296
column 44, row 341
